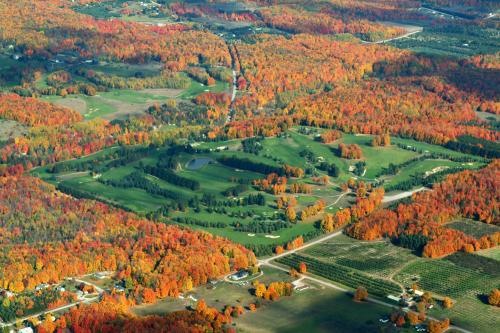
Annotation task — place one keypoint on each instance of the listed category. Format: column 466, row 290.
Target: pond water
column 198, row 163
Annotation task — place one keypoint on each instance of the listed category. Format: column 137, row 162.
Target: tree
column 494, row 297
column 201, row 306
column 412, row 318
column 400, row 321
column 361, row 294
column 291, row 214
column 260, row 290
column 447, row 303
column 302, row 268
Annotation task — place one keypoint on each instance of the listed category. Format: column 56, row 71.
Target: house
column 102, row 275
column 119, row 289
column 239, row 275
column 394, row 298
column 25, row 330
column 418, row 292
column 42, row 286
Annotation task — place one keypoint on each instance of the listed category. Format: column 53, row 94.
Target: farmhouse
column 239, row 275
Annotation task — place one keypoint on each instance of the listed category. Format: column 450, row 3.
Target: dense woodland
column 314, row 65
column 471, row 194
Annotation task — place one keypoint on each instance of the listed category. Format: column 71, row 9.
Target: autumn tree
column 494, row 297
column 360, row 294
column 447, row 303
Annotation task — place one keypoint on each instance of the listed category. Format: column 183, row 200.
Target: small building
column 419, row 292
column 25, row 330
column 42, row 286
column 119, row 289
column 239, row 275
column 102, row 275
column 394, row 298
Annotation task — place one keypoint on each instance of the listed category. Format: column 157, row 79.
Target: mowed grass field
column 316, row 309
column 119, row 104
column 215, row 178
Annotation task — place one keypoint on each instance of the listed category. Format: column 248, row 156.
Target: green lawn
column 429, row 166
column 377, row 158
column 197, row 88
column 317, row 310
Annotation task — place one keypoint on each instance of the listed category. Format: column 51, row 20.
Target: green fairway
column 377, row 158
column 430, row 167
column 210, row 204
column 197, row 88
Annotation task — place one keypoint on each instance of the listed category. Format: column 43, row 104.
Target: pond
column 198, row 163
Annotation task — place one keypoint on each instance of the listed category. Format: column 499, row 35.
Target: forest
column 171, row 143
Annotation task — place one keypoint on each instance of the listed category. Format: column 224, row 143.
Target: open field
column 491, row 253
column 317, row 309
column 119, row 104
column 10, row 129
column 253, row 224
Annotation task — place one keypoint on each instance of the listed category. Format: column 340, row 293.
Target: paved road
column 408, row 34
column 390, row 198
column 305, row 246
column 235, row 88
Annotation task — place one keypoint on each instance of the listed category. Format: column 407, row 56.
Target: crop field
column 453, row 41
column 465, row 285
column 379, row 258
column 473, row 228
column 348, row 277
